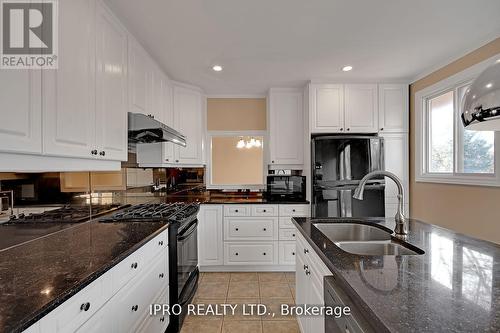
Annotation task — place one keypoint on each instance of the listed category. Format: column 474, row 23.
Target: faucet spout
column 401, row 228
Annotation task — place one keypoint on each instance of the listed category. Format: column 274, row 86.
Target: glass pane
column 441, row 133
column 237, row 160
column 478, row 148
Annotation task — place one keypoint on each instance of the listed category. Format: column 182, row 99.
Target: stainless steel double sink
column 364, row 239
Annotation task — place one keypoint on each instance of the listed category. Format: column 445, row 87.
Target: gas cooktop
column 158, row 212
column 66, row 214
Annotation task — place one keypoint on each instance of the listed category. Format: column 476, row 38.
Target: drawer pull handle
column 236, row 254
column 264, row 253
column 135, row 308
column 85, row 306
column 306, row 267
column 161, row 276
column 308, row 272
column 160, row 243
column 265, row 229
column 162, row 319
column 306, row 251
column 236, row 229
column 134, row 265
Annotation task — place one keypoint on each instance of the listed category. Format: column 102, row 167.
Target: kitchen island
column 453, row 286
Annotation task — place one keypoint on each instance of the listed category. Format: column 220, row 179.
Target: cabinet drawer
column 237, row 210
column 250, row 253
column 294, row 210
column 288, row 234
column 249, row 228
column 158, row 323
column 70, row 315
column 131, row 266
column 264, row 210
column 287, row 253
column 132, row 302
column 286, row 222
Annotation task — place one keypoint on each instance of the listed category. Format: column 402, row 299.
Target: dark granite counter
column 221, row 198
column 39, row 274
column 453, row 287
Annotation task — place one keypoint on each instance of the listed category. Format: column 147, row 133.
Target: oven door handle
column 191, row 294
column 188, row 232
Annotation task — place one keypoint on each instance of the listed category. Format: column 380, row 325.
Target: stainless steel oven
column 286, row 188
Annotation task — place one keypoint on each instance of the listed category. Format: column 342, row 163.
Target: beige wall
column 472, row 210
column 236, row 114
column 233, row 166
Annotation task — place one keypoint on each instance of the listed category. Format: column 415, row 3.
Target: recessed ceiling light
column 217, row 68
column 347, row 68
column 489, row 85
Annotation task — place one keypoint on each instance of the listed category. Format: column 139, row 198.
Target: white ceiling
column 267, row 43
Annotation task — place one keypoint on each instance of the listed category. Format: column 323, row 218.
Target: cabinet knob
column 264, row 210
column 161, row 276
column 102, row 153
column 176, row 161
column 135, row 308
column 306, row 251
column 293, row 210
column 272, row 161
column 236, row 211
column 293, row 253
column 382, row 129
column 264, row 253
column 85, row 306
column 236, row 229
column 94, row 152
column 236, row 254
column 348, row 129
column 134, row 265
column 293, row 235
column 341, row 129
column 265, row 229
column 167, row 159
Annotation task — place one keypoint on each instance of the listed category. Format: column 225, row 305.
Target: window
column 446, row 151
column 237, row 161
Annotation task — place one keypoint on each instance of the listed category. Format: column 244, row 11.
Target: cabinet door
column 210, row 243
column 69, row 91
column 361, row 108
column 157, row 82
column 286, row 135
column 168, row 118
column 188, row 121
column 20, row 109
column 111, row 84
column 327, row 108
column 396, row 161
column 393, row 107
column 138, row 78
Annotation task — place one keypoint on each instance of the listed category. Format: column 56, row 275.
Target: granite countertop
column 453, row 287
column 222, row 198
column 38, row 275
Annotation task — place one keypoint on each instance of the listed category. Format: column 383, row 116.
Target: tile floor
column 271, row 289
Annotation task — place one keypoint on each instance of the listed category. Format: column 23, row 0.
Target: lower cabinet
column 310, row 271
column 250, row 253
column 210, row 240
column 118, row 301
column 287, row 253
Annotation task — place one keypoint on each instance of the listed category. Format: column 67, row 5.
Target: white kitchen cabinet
column 139, row 76
column 287, row 253
column 188, row 120
column 210, row 240
column 21, row 111
column 69, row 126
column 361, row 108
column 393, row 108
column 101, row 322
column 326, row 108
column 111, row 86
column 343, row 108
column 250, row 253
column 396, row 161
column 168, row 116
column 286, row 126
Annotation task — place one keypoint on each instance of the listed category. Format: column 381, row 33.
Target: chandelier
column 257, row 143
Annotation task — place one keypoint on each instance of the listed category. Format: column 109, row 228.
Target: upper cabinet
column 139, row 77
column 286, row 119
column 111, row 86
column 339, row 108
column 393, row 108
column 69, row 126
column 360, row 108
column 326, row 107
column 21, row 112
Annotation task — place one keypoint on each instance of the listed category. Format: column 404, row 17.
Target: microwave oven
column 286, row 188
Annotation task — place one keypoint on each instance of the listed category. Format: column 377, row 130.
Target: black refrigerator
column 338, row 164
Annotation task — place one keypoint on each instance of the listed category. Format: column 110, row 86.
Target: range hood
column 146, row 129
column 481, row 103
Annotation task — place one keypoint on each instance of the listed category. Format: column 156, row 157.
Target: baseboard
column 248, row 268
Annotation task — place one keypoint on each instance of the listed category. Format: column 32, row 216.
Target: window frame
column 422, row 158
column 265, row 152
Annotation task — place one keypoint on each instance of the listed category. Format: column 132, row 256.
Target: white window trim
column 421, row 136
column 265, row 151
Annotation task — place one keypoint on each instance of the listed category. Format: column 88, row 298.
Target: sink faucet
column 401, row 228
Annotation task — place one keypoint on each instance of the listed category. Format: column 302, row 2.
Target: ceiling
column 281, row 43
